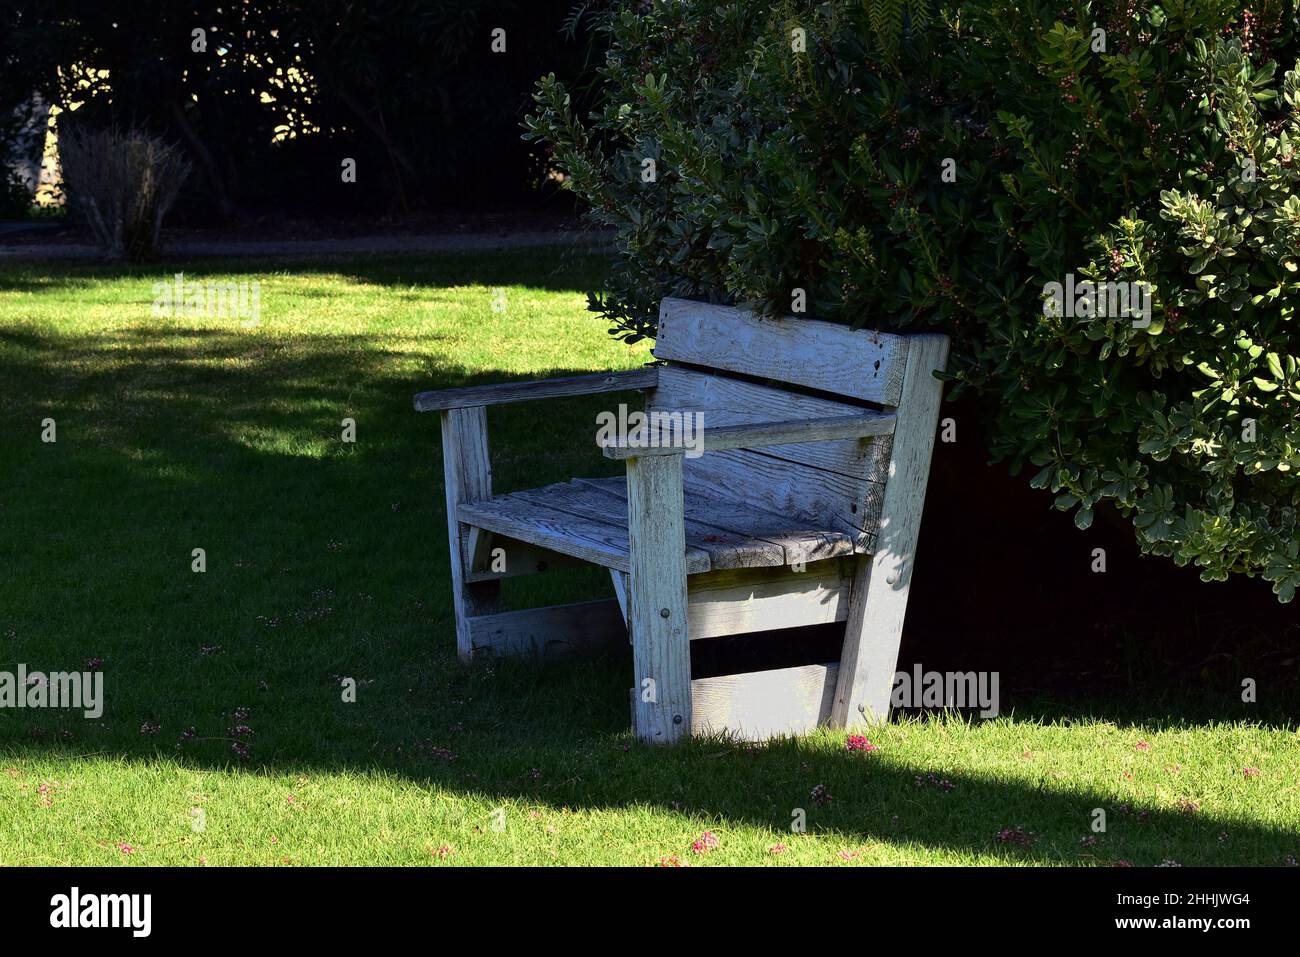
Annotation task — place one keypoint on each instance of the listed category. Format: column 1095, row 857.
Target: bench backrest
column 856, row 363
column 712, row 349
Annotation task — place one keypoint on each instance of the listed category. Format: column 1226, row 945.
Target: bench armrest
column 654, row 440
column 478, row 395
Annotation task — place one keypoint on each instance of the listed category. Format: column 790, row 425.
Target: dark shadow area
column 766, row 650
column 1004, row 582
column 546, row 267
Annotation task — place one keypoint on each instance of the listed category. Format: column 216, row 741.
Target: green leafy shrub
column 1131, row 143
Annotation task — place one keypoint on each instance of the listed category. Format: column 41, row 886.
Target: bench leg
column 468, row 477
column 661, row 652
column 879, row 597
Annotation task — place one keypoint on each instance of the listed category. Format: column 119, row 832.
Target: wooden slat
column 762, row 704
column 807, row 352
column 875, row 624
column 835, row 485
column 762, row 434
column 801, row 540
column 724, row 401
column 522, row 558
column 826, row 500
column 798, row 540
column 586, row 519
column 467, row 477
column 722, row 549
column 476, row 550
column 583, row 501
column 742, row 601
column 620, row 590
column 481, row 395
column 592, row 541
column 553, row 631
column 661, row 652
column 878, row 452
column 725, row 548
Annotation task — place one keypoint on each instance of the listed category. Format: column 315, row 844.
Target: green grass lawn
column 327, row 560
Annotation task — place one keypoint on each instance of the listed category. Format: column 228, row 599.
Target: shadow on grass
column 327, row 559
column 549, row 268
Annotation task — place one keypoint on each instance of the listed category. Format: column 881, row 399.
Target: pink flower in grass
column 443, row 851
column 671, row 860
column 777, row 849
column 125, row 848
column 1250, row 772
column 1142, row 746
column 708, row 841
column 858, row 742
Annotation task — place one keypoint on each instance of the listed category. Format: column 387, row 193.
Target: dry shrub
column 123, row 183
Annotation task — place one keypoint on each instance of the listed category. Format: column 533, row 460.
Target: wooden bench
column 803, row 509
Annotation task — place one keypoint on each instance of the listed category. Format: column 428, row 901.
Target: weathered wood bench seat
column 798, row 504
column 587, row 519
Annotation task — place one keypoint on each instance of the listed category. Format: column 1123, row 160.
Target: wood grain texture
column 760, row 434
column 587, row 519
column 530, row 520
column 835, row 486
column 724, row 401
column 725, row 548
column 744, row 601
column 719, row 549
column 878, row 452
column 763, row 704
column 661, row 652
column 824, row 500
column 620, row 591
column 817, row 355
column 771, row 540
column 875, row 624
column 800, row 540
column 467, row 477
column 483, row 395
column 553, row 631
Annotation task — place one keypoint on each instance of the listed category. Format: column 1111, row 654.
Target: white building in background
column 37, row 155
